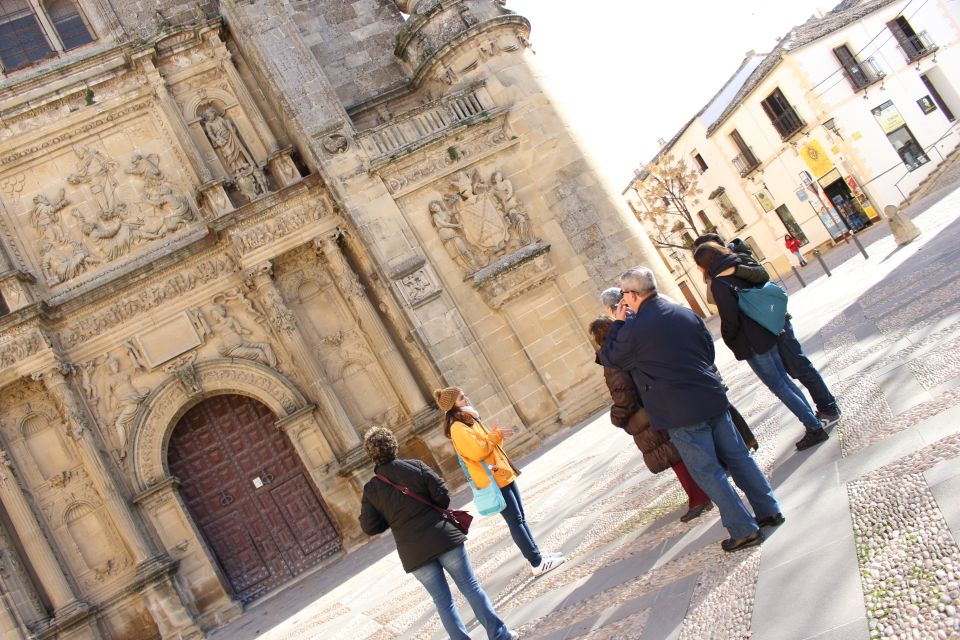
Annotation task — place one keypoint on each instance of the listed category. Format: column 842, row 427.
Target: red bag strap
column 405, row 491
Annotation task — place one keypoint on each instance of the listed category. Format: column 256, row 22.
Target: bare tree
column 668, row 189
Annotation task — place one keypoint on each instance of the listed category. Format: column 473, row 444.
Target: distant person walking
column 793, row 246
column 628, row 414
column 427, row 544
column 751, row 342
column 477, row 445
column 669, row 354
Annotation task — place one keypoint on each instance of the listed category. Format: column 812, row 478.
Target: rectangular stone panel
column 172, row 338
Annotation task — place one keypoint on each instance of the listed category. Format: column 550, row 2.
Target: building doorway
column 845, row 201
column 249, row 494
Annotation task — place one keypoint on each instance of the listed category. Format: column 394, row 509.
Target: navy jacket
column 669, row 353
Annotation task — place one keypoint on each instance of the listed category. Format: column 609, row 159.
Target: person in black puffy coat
column 427, row 544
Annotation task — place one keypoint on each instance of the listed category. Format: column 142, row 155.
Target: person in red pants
column 628, row 414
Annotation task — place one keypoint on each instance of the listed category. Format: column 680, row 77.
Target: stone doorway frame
column 156, row 490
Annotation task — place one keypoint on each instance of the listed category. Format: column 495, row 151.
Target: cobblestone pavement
column 869, row 549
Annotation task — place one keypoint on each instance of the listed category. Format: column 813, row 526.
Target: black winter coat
column 743, row 335
column 420, row 532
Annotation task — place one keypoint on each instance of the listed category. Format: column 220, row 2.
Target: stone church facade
column 235, row 235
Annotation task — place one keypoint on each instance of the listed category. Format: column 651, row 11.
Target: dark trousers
column 798, row 366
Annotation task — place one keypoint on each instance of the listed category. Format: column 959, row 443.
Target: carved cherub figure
column 234, row 343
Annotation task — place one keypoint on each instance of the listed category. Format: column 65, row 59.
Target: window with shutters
column 782, row 115
column 913, row 45
column 32, row 31
column 859, row 74
column 745, row 162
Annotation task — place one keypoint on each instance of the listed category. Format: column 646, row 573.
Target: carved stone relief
column 20, row 343
column 234, row 342
column 480, row 220
column 249, row 238
column 172, row 207
column 233, row 152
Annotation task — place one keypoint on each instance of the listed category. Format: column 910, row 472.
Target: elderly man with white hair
column 669, row 354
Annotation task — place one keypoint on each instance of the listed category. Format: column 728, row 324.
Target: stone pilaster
column 38, row 551
column 367, row 317
column 283, row 322
column 58, row 385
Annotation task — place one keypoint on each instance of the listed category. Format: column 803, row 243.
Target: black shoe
column 811, row 439
column 735, row 544
column 775, row 520
column 696, row 511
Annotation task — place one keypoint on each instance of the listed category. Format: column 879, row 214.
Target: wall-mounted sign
column 765, row 199
column 927, row 105
column 888, row 116
column 816, row 158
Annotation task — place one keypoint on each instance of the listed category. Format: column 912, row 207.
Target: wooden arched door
column 249, row 494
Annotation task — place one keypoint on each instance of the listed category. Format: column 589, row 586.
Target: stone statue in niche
column 172, row 207
column 484, row 219
column 234, row 343
column 62, row 261
column 235, row 155
column 125, row 399
column 46, row 216
column 451, row 235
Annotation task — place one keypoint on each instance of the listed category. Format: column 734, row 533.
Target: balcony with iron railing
column 428, row 122
column 787, row 123
column 917, row 46
column 863, row 74
column 745, row 163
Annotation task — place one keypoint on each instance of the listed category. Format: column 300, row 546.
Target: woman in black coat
column 427, row 544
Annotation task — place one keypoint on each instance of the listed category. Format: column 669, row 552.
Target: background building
column 232, row 237
column 849, row 113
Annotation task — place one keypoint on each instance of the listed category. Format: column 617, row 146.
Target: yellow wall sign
column 888, row 116
column 816, row 158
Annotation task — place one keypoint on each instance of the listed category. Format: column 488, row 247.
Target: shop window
column 31, row 31
column 900, row 136
column 790, row 224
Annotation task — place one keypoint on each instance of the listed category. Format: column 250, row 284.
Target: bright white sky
column 627, row 72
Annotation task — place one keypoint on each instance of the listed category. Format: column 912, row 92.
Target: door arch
column 249, row 494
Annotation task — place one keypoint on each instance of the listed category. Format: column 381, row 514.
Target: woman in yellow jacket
column 475, row 444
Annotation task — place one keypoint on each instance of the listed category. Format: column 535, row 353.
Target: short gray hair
column 610, row 297
column 640, row 280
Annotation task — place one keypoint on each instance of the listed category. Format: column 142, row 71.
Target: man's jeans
column 769, row 368
column 517, row 523
column 701, row 446
column 458, row 566
column 798, row 365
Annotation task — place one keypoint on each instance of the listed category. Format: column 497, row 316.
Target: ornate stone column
column 340, row 432
column 366, row 315
column 58, row 386
column 35, row 545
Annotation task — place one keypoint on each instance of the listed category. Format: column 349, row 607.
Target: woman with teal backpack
column 486, row 465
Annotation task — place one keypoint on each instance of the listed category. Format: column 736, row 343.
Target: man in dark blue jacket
column 669, row 353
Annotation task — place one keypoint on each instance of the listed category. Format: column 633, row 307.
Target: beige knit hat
column 447, row 398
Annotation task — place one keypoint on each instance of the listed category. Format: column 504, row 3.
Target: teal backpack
column 767, row 305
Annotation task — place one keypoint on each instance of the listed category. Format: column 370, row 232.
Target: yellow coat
column 476, row 445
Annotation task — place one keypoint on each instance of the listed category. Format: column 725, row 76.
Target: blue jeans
column 517, row 522
column 701, row 446
column 769, row 368
column 798, row 365
column 457, row 564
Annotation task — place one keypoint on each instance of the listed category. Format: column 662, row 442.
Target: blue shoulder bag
column 489, row 500
column 766, row 305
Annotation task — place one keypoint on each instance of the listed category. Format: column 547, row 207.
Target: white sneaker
column 551, row 554
column 547, row 564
